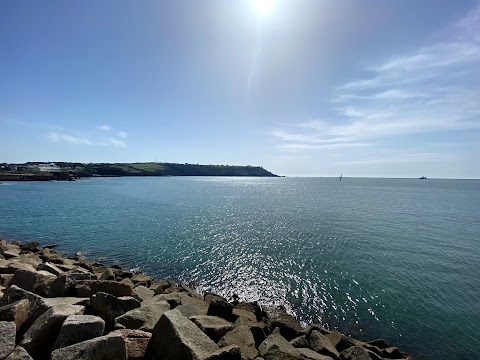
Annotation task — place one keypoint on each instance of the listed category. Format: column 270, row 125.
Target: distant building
column 48, row 167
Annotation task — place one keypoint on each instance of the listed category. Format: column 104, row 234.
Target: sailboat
column 340, row 178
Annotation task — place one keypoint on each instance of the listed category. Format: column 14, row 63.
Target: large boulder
column 86, row 288
column 51, row 268
column 100, row 348
column 109, row 307
column 143, row 293
column 18, row 312
column 137, row 342
column 78, row 328
column 278, row 317
column 67, row 301
column 276, row 347
column 243, row 338
column 10, row 267
column 226, row 353
column 5, row 279
column 215, row 327
column 221, row 309
column 357, row 353
column 144, row 317
column 40, row 337
column 30, row 280
column 19, row 354
column 309, row 354
column 322, row 344
column 176, row 337
column 340, row 341
column 7, row 338
column 37, row 304
column 142, row 279
column 162, row 285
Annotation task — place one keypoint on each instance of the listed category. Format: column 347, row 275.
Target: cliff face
column 69, row 171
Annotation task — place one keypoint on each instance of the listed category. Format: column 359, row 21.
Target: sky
column 370, row 88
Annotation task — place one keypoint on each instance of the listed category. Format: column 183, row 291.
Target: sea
column 397, row 259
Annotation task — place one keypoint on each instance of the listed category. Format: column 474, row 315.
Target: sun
column 263, row 6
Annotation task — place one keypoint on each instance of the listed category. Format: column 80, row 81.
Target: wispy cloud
column 122, row 134
column 113, row 142
column 59, row 138
column 430, row 90
column 104, row 127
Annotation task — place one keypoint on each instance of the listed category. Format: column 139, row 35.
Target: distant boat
column 340, row 178
column 423, row 178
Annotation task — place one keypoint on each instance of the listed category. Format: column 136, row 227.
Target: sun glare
column 263, row 6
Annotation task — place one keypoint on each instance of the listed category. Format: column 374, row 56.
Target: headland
column 40, row 171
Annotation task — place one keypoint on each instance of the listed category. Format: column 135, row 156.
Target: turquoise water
column 375, row 258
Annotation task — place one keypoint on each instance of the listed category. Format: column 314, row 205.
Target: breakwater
column 54, row 307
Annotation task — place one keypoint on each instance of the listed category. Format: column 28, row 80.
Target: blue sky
column 309, row 88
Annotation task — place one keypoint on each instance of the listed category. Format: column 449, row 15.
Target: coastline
column 135, row 316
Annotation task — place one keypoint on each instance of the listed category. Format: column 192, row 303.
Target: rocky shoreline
column 59, row 308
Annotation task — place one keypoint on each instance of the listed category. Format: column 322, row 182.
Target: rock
column 309, row 354
column 24, row 279
column 215, row 327
column 209, row 297
column 11, row 267
column 32, row 280
column 31, row 259
column 248, row 315
column 100, row 348
column 143, row 293
column 226, row 353
column 221, row 309
column 392, row 353
column 30, row 246
column 144, row 317
column 162, row 285
column 37, row 304
column 7, row 338
column 19, row 354
column 18, row 312
column 300, row 342
column 137, row 342
column 340, row 341
column 259, row 331
column 278, row 317
column 142, row 279
column 78, row 328
column 40, row 337
column 176, row 337
column 67, row 301
column 48, row 285
column 107, row 275
column 355, row 353
column 252, row 307
column 108, row 307
column 242, row 337
column 322, row 345
column 5, row 279
column 86, row 288
column 189, row 310
column 379, row 343
column 128, row 282
column 276, row 347
column 49, row 255
column 51, row 268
